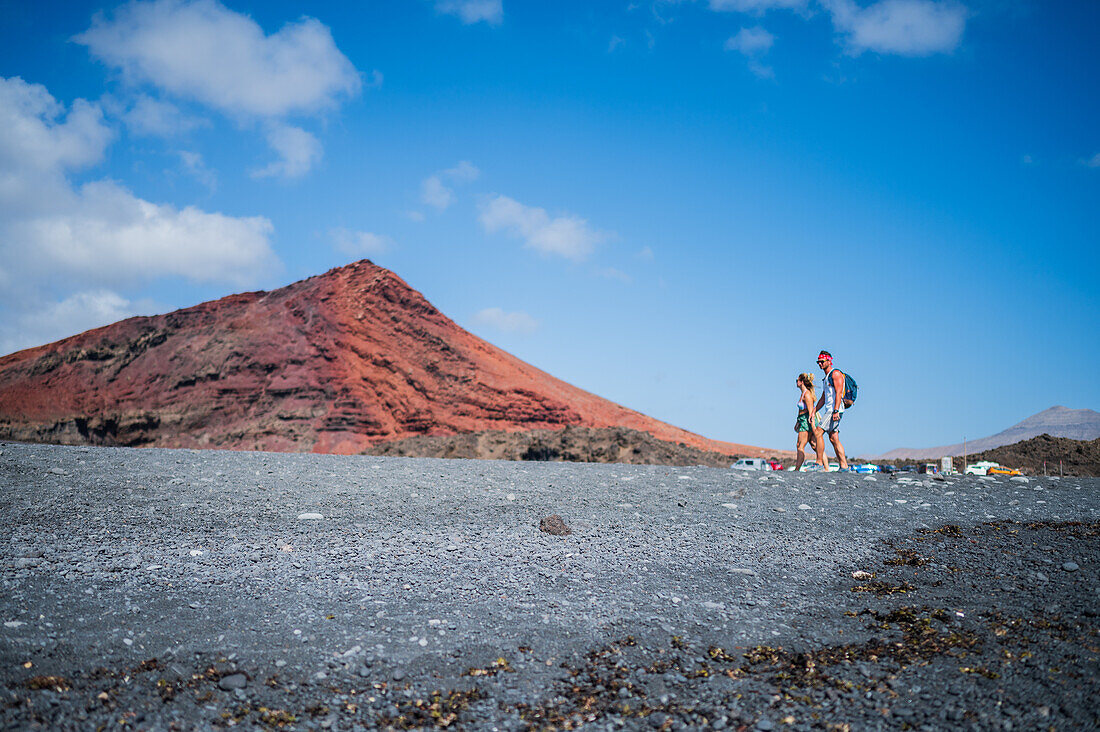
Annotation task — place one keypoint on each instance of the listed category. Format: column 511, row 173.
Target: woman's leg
column 819, row 446
column 800, row 449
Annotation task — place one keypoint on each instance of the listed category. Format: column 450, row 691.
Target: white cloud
column 615, row 42
column 199, row 50
column 154, row 118
column 203, row 51
column 567, row 236
column 193, row 164
column 646, row 253
column 435, row 193
column 751, row 41
column 298, row 152
column 497, row 319
column 903, row 27
column 103, row 233
column 1094, row 162
column 465, row 171
column 360, row 243
column 54, row 236
column 473, row 11
column 616, row 274
column 35, row 141
column 755, row 6
column 75, row 314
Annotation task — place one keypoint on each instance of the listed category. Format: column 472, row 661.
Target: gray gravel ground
column 179, row 589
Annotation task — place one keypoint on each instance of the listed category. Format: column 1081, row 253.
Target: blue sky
column 674, row 205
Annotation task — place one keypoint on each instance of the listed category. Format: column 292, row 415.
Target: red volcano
column 334, row 363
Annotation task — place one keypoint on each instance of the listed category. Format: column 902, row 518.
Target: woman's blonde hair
column 808, row 381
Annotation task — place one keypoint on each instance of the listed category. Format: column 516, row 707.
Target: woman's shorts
column 802, row 424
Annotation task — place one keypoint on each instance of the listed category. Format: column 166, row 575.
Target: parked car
column 980, row 467
column 775, row 464
column 999, row 470
column 867, row 468
column 751, row 464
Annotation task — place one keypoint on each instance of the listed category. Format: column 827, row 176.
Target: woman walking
column 804, row 425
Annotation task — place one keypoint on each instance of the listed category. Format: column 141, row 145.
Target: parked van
column 751, row 464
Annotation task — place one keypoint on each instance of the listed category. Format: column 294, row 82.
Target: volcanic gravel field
column 178, row 589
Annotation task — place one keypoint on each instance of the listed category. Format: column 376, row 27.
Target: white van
column 981, row 467
column 751, row 464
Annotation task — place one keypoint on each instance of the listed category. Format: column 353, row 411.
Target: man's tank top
column 831, row 402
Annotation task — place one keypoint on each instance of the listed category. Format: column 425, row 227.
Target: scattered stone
column 310, row 517
column 554, row 525
column 1019, row 479
column 803, row 507
column 860, row 574
column 779, row 509
column 233, row 681
column 57, row 471
column 1070, row 566
column 13, row 623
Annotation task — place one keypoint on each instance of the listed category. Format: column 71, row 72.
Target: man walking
column 830, row 408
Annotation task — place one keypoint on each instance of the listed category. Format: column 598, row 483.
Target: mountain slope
column 334, row 363
column 1076, row 424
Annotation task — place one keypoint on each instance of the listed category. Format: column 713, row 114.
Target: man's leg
column 834, row 437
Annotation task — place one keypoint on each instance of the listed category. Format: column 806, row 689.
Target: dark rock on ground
column 554, row 525
column 571, row 444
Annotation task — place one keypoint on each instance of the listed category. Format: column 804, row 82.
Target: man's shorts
column 826, row 422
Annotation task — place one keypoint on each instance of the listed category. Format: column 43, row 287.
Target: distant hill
column 337, row 363
column 1075, row 424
